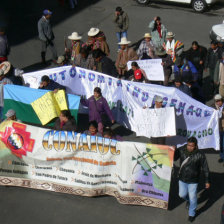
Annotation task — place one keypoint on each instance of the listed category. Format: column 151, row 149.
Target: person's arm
column 107, row 110
column 139, row 51
column 207, row 59
column 115, row 17
column 132, row 55
column 151, row 25
column 84, row 102
column 41, row 30
column 177, row 154
column 126, row 22
column 144, row 74
column 205, row 169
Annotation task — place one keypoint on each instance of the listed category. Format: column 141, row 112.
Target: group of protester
column 182, row 70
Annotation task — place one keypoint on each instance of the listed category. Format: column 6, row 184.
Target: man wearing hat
column 173, row 47
column 11, row 115
column 145, row 45
column 219, row 106
column 122, row 22
column 166, row 63
column 124, row 55
column 97, row 40
column 74, row 48
column 4, row 46
column 46, row 36
column 61, row 61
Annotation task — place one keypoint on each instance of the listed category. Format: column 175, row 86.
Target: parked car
column 217, row 32
column 197, row 5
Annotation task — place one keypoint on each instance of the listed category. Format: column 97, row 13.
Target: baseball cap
column 47, row 12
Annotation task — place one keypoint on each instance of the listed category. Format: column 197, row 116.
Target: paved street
column 21, row 205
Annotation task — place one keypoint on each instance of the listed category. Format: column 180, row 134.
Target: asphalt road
column 20, row 205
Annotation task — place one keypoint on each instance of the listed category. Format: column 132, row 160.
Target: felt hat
column 147, row 35
column 5, row 67
column 124, row 41
column 10, row 113
column 170, row 35
column 60, row 59
column 93, row 32
column 75, row 36
column 158, row 99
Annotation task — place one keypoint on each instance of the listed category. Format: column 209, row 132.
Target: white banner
column 70, row 162
column 152, row 67
column 127, row 98
column 154, row 122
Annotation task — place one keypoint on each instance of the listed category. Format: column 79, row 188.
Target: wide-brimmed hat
column 170, row 35
column 5, row 67
column 10, row 113
column 124, row 41
column 147, row 35
column 93, row 32
column 75, row 36
column 217, row 97
column 60, row 59
column 160, row 51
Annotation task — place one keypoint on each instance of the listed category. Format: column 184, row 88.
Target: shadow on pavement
column 21, row 16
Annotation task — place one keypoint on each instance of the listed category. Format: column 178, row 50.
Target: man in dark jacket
column 104, row 64
column 182, row 87
column 48, row 84
column 4, row 46
column 46, row 36
column 192, row 161
column 122, row 22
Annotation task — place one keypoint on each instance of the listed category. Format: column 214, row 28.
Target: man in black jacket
column 192, row 161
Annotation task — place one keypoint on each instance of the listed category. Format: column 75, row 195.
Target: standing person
column 74, row 49
column 166, row 63
column 158, row 31
column 124, row 55
column 145, row 45
column 104, row 64
column 219, row 106
column 4, row 46
column 65, row 122
column 173, row 47
column 46, row 36
column 98, row 108
column 212, row 63
column 221, row 76
column 192, row 161
column 197, row 55
column 122, row 22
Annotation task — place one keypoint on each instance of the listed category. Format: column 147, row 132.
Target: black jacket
column 190, row 171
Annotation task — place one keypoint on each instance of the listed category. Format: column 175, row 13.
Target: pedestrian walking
column 192, row 161
column 121, row 21
column 46, row 36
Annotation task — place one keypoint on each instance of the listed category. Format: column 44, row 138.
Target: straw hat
column 60, row 59
column 217, row 97
column 93, row 32
column 124, row 41
column 10, row 113
column 75, row 36
column 147, row 35
column 170, row 35
column 5, row 67
column 158, row 99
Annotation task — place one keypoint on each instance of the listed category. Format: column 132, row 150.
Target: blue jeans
column 189, row 193
column 120, row 35
column 221, row 134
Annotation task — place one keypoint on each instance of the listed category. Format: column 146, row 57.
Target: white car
column 197, row 5
column 217, row 32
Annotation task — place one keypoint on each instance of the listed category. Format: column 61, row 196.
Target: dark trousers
column 44, row 46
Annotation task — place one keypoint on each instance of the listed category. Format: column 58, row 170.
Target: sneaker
column 187, row 205
column 220, row 160
column 191, row 218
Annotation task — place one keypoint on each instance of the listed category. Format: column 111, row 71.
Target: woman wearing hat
column 144, row 47
column 124, row 55
column 97, row 40
column 74, row 50
column 98, row 108
column 158, row 31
